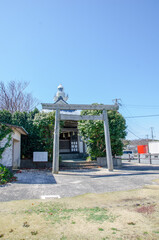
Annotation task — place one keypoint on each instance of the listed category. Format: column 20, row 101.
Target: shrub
column 5, row 175
column 93, row 133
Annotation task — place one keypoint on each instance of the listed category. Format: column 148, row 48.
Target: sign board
column 154, row 147
column 142, row 149
column 40, row 156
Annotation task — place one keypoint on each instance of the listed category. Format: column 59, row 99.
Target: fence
column 147, row 158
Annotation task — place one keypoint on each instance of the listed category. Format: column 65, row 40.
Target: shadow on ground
column 45, row 176
column 127, row 169
column 35, row 177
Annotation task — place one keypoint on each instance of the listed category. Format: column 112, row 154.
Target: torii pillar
column 107, row 141
column 55, row 165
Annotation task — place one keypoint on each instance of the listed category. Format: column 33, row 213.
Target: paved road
column 36, row 184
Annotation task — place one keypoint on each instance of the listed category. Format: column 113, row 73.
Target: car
column 127, row 154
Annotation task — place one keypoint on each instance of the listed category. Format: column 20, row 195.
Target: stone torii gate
column 58, row 117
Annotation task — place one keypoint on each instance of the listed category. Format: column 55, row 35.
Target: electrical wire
column 142, row 106
column 155, row 115
column 130, row 118
column 133, row 133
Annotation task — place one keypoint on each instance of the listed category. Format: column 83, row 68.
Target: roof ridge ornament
column 60, row 95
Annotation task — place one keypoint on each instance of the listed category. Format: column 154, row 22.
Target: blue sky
column 98, row 49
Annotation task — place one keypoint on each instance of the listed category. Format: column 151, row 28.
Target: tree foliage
column 25, row 120
column 5, row 175
column 40, row 127
column 5, row 117
column 93, row 133
column 44, row 123
column 14, row 98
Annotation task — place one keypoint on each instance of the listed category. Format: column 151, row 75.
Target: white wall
column 154, row 147
column 80, row 144
column 16, row 154
column 16, row 135
column 80, row 147
column 11, row 155
column 7, row 154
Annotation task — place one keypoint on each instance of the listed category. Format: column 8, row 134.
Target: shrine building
column 71, row 144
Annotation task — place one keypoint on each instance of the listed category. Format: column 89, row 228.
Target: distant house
column 132, row 145
column 11, row 155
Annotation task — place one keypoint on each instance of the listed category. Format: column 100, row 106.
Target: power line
column 133, row 134
column 155, row 115
column 141, row 106
column 130, row 116
column 125, row 109
column 142, row 116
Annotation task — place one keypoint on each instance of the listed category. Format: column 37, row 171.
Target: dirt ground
column 119, row 215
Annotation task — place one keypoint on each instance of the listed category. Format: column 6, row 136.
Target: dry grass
column 118, row 215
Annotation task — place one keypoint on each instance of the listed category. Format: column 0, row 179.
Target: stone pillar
column 107, row 141
column 55, row 166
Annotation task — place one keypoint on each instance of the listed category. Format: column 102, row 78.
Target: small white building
column 11, row 155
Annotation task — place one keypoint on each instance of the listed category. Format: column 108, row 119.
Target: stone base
column 102, row 162
column 29, row 164
column 69, row 156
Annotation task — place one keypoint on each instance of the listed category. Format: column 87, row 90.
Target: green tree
column 93, row 133
column 40, row 127
column 44, row 123
column 31, row 142
column 5, row 117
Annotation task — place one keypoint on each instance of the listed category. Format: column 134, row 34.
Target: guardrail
column 142, row 158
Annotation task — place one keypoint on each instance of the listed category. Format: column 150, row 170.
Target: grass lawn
column 118, row 215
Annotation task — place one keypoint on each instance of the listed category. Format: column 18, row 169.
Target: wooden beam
column 51, row 106
column 66, row 130
column 80, row 117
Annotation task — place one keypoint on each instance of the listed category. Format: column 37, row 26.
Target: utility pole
column 116, row 101
column 152, row 135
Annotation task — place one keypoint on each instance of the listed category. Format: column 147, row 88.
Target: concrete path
column 41, row 184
